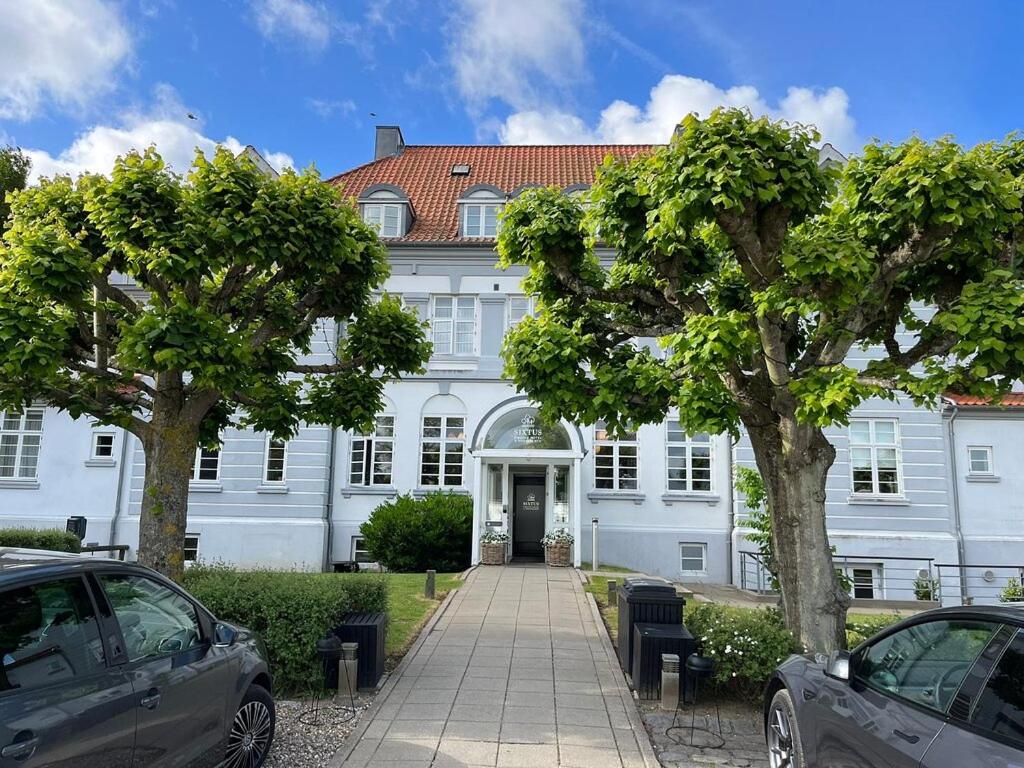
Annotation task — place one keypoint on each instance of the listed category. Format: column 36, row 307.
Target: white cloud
column 64, row 51
column 294, row 19
column 671, row 99
column 326, row 108
column 514, row 51
column 166, row 126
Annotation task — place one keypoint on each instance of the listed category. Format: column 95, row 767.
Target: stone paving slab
column 741, row 727
column 516, row 672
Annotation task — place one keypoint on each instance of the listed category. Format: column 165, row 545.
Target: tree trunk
column 794, row 460
column 170, row 453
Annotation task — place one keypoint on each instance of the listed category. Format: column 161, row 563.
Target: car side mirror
column 224, row 635
column 838, row 667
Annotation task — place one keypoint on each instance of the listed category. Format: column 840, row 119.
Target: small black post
column 611, row 591
column 429, row 590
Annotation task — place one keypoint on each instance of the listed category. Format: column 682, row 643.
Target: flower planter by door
column 557, row 555
column 492, row 554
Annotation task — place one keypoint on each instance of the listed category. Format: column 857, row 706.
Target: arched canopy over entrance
column 522, row 428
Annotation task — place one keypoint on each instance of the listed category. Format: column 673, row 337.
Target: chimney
column 389, row 142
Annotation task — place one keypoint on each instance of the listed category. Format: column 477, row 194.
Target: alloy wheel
column 250, row 736
column 780, row 739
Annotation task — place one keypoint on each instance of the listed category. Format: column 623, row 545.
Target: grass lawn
column 585, row 566
column 598, row 587
column 409, row 609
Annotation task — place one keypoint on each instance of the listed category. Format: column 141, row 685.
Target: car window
column 155, row 620
column 48, row 634
column 925, row 663
column 1000, row 707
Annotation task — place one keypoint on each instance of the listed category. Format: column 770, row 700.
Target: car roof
column 16, row 562
column 1008, row 612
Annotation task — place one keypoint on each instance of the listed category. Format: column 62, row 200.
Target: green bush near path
column 52, row 539
column 409, row 535
column 290, row 611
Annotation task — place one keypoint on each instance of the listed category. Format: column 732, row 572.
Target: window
column 1000, row 707
column 688, row 459
column 441, row 450
column 480, row 214
column 518, row 308
column 48, row 634
column 495, row 492
column 561, row 497
column 383, row 210
column 103, row 446
column 360, row 554
column 979, row 458
column 865, row 580
column 20, row 433
column 453, row 325
column 191, row 547
column 276, row 459
column 155, row 620
column 207, row 466
column 372, row 454
column 924, row 664
column 615, row 460
column 693, row 557
column 874, row 456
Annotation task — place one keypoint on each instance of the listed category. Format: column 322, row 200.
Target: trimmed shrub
column 746, row 644
column 52, row 539
column 290, row 611
column 867, row 626
column 410, row 535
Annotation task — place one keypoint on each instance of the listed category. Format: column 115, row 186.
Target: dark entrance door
column 528, row 515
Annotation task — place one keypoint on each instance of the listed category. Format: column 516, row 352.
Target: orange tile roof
column 424, row 173
column 1009, row 400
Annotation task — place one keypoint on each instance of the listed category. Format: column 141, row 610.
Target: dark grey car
column 110, row 664
column 942, row 689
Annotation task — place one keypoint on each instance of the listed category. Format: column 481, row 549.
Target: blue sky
column 305, row 81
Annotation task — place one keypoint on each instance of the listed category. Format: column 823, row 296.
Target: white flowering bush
column 746, row 644
column 556, row 537
column 494, row 537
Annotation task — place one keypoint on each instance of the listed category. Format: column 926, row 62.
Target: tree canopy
column 758, row 269
column 14, row 168
column 175, row 306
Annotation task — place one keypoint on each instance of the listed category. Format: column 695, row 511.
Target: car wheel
column 252, row 730
column 783, row 733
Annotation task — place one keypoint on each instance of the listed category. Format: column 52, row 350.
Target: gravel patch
column 312, row 743
column 741, row 728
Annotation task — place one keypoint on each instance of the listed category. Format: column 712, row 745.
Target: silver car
column 942, row 689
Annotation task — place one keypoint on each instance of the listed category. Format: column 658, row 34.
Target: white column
column 576, row 510
column 478, row 501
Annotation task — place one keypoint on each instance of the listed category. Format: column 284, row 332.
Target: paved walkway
column 515, row 673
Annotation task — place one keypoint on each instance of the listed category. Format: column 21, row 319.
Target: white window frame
column 616, row 446
column 94, row 454
column 480, row 202
column 989, row 460
column 202, row 453
column 376, row 215
column 531, row 308
column 356, row 550
column 687, row 444
column 703, row 558
column 22, row 435
column 443, row 442
column 267, row 448
column 874, row 446
column 193, row 550
column 458, row 302
column 877, row 581
column 367, row 471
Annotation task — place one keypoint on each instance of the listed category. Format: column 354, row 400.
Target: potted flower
column 492, row 548
column 557, row 546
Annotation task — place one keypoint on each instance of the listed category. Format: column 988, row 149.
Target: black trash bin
column 649, row 642
column 367, row 629
column 647, row 601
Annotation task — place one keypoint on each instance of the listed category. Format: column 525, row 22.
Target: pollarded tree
column 758, row 272
column 174, row 307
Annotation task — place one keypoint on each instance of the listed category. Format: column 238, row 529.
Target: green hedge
column 40, row 538
column 290, row 611
column 410, row 535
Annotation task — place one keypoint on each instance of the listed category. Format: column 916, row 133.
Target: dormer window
column 479, row 212
column 387, row 211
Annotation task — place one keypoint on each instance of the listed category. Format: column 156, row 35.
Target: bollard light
column 348, row 670
column 669, row 681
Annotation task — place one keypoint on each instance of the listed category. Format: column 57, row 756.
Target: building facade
column 902, row 510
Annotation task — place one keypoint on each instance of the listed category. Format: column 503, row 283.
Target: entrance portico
column 526, row 478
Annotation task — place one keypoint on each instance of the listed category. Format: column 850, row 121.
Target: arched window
column 443, row 443
column 523, row 428
column 386, row 208
column 479, row 209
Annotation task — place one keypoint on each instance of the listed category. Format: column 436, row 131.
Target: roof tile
column 1009, row 400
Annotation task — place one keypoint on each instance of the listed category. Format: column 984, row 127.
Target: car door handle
column 20, row 749
column 912, row 738
column 151, row 699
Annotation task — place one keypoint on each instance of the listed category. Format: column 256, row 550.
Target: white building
column 664, row 500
